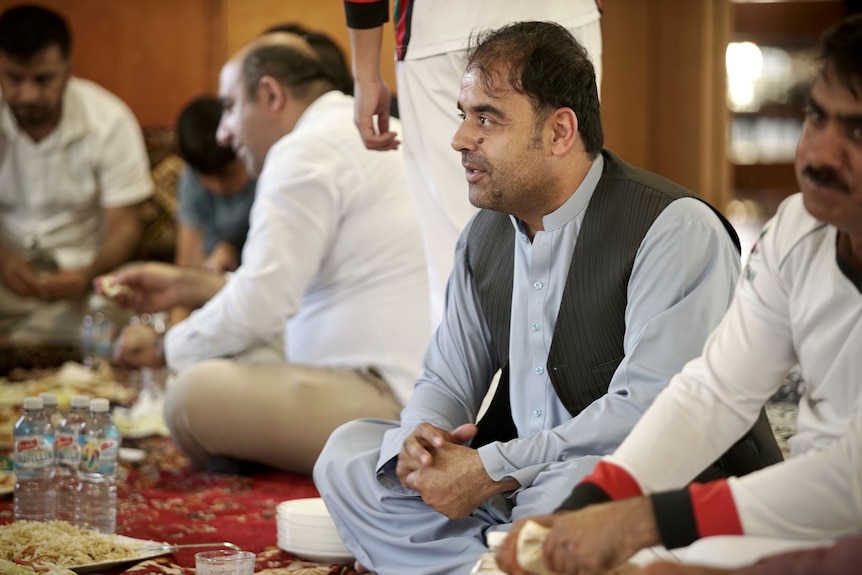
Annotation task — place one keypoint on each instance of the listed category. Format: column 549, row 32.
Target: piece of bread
column 111, row 289
column 530, row 557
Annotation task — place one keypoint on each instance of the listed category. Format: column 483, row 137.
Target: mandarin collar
column 577, row 202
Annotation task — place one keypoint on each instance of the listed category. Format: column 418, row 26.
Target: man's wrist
column 198, row 286
column 643, row 529
column 87, row 275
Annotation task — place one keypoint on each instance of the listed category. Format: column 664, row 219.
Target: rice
column 58, row 543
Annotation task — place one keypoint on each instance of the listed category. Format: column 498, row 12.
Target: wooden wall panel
column 158, row 54
column 663, row 89
column 154, row 54
column 626, row 77
column 662, row 92
column 691, row 113
column 245, row 19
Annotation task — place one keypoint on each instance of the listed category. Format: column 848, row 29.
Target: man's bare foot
column 359, row 567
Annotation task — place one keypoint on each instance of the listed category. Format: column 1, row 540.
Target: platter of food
column 71, row 379
column 38, row 545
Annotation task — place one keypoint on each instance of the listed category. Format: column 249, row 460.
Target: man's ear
column 272, row 93
column 70, row 68
column 563, row 126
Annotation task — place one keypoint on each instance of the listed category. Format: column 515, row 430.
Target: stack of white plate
column 306, row 530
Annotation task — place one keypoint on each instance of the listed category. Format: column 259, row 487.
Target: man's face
column 829, row 154
column 502, row 150
column 33, row 89
column 243, row 124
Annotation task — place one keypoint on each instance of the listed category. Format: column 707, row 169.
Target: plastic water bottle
column 96, row 501
column 97, row 332
column 33, row 453
column 67, row 456
column 52, row 411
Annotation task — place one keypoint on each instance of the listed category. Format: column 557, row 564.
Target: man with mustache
column 73, row 170
column 586, row 281
column 799, row 301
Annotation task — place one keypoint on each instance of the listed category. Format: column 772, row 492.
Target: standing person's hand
column 139, row 346
column 373, row 98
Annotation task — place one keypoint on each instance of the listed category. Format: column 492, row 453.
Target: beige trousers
column 276, row 414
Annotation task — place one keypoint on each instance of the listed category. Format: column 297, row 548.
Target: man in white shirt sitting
column 333, row 260
column 73, row 170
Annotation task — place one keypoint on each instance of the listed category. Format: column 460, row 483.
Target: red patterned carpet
column 164, row 499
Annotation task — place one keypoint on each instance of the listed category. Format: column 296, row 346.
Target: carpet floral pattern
column 164, row 499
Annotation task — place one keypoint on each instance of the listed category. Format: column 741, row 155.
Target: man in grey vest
column 586, row 281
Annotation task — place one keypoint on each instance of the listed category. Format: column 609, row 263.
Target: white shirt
column 681, row 284
column 793, row 303
column 52, row 192
column 440, row 26
column 333, row 257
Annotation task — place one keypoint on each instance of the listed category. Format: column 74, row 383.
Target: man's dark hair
column 841, row 52
column 196, row 137
column 27, row 30
column 543, row 61
column 331, row 54
column 291, row 67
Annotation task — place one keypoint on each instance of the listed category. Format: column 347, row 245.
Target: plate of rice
column 58, row 547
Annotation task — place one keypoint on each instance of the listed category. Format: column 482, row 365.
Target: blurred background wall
column 666, row 93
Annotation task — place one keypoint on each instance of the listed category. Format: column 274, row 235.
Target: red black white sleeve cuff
column 607, row 482
column 364, row 14
column 699, row 510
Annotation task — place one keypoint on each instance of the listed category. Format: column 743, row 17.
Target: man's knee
column 186, row 389
column 348, row 442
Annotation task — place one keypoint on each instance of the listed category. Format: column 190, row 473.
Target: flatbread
column 529, row 548
column 530, row 557
column 111, row 289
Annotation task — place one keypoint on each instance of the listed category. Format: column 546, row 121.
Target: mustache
column 475, row 160
column 826, row 177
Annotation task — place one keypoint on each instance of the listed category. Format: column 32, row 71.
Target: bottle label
column 100, row 455
column 33, row 452
column 66, row 449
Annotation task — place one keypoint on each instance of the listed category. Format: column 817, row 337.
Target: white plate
column 333, row 558
column 308, row 507
column 309, row 544
column 7, row 483
column 158, row 549
column 299, row 530
column 132, row 455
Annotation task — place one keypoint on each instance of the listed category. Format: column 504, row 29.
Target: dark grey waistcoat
column 587, row 345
